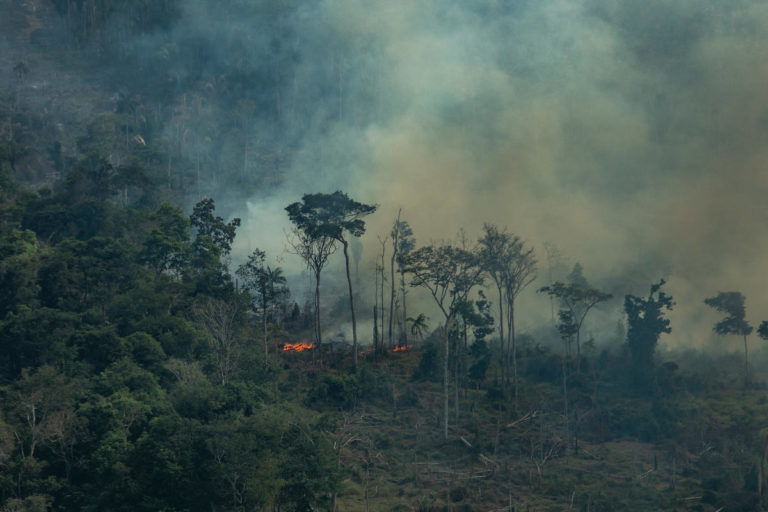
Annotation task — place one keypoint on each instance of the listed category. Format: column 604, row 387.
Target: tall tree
column 315, row 251
column 448, row 273
column 578, row 298
column 405, row 245
column 402, row 244
column 335, row 216
column 732, row 304
column 395, row 235
column 512, row 267
column 645, row 318
column 380, row 291
column 519, row 270
column 493, row 247
column 567, row 328
column 266, row 286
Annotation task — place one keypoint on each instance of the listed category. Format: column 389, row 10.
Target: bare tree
column 315, row 252
column 383, row 279
column 218, row 319
column 44, row 406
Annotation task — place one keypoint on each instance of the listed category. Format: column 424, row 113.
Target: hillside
column 119, row 385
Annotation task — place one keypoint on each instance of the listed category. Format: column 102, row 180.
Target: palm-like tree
column 419, row 325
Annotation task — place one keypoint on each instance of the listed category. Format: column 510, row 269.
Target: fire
column 298, row 347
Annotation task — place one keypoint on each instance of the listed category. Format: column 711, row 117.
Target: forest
column 157, row 353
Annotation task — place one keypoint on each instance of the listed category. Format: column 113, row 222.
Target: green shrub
column 340, row 392
column 429, row 364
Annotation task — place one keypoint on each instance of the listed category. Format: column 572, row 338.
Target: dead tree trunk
column 351, row 301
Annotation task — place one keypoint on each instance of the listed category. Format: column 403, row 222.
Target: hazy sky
column 628, row 134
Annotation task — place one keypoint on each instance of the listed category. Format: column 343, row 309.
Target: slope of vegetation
column 136, row 377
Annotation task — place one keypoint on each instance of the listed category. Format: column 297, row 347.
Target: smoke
column 631, row 135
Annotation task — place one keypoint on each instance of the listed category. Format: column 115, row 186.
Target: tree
column 493, row 247
column 405, row 245
column 732, row 303
column 219, row 321
column 419, row 325
column 578, row 298
column 221, row 234
column 315, row 251
column 646, row 322
column 378, row 341
column 518, row 271
column 266, row 287
column 567, row 328
column 165, row 248
column 40, row 408
column 449, row 273
column 335, row 216
column 402, row 244
column 762, row 331
column 472, row 315
column 512, row 267
column 482, row 321
column 213, row 240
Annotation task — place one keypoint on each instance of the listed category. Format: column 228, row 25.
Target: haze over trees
column 646, row 323
column 332, row 216
column 148, row 362
column 131, row 358
column 512, row 267
column 735, row 322
column 577, row 298
column 449, row 273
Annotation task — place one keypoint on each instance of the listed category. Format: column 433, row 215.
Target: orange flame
column 402, row 348
column 298, row 347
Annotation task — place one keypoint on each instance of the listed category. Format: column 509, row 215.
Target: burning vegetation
column 298, row 347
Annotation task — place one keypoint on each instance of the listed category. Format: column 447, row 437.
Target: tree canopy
column 329, row 215
column 735, row 322
column 646, row 322
column 577, row 298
